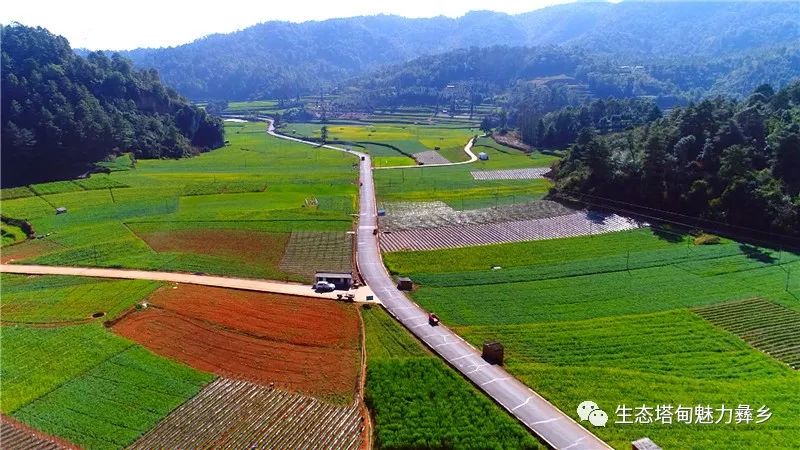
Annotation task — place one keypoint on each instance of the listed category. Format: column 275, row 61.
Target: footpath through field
column 275, row 287
column 548, row 422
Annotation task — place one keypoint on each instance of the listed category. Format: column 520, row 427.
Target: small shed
column 342, row 280
column 644, row 444
column 405, row 284
column 61, row 210
column 493, row 352
column 483, row 156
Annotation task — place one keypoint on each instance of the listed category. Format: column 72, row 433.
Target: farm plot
column 114, row 402
column 237, row 414
column 576, row 224
column 311, row 251
column 16, row 436
column 419, row 402
column 653, row 359
column 255, row 253
column 772, row 328
column 404, row 138
column 510, row 174
column 402, row 216
column 12, row 234
column 16, row 192
column 608, row 318
column 298, row 344
column 52, row 300
column 256, row 183
column 37, row 360
column 430, row 157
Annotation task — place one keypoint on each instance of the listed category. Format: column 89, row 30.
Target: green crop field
column 769, row 327
column 255, row 185
column 610, row 318
column 37, row 360
column 11, row 234
column 456, row 186
column 63, row 372
column 418, row 402
column 400, row 140
column 52, row 299
column 114, row 402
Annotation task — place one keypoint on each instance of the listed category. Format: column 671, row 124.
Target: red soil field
column 305, row 345
column 249, row 246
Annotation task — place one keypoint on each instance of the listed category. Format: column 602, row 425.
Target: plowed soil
column 305, row 345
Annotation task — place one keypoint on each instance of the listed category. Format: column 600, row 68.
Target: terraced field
column 772, row 328
column 236, row 414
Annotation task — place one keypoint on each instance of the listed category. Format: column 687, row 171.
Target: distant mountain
column 281, row 59
column 557, row 76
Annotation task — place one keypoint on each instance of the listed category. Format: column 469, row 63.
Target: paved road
column 275, row 287
column 544, row 419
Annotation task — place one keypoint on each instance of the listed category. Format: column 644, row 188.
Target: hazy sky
column 156, row 23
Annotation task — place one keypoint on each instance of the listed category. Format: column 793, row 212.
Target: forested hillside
column 283, row 60
column 737, row 162
column 542, row 79
column 62, row 112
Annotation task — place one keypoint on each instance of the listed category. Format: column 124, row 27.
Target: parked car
column 324, row 286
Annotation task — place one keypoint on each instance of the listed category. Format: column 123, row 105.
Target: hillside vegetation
column 735, row 162
column 280, row 59
column 63, row 112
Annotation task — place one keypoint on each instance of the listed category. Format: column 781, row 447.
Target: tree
column 732, row 176
column 786, row 161
column 486, row 125
column 323, row 133
column 61, row 113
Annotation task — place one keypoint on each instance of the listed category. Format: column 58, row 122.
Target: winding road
column 553, row 426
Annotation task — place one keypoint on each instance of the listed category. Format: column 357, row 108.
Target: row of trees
column 62, row 112
column 720, row 159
